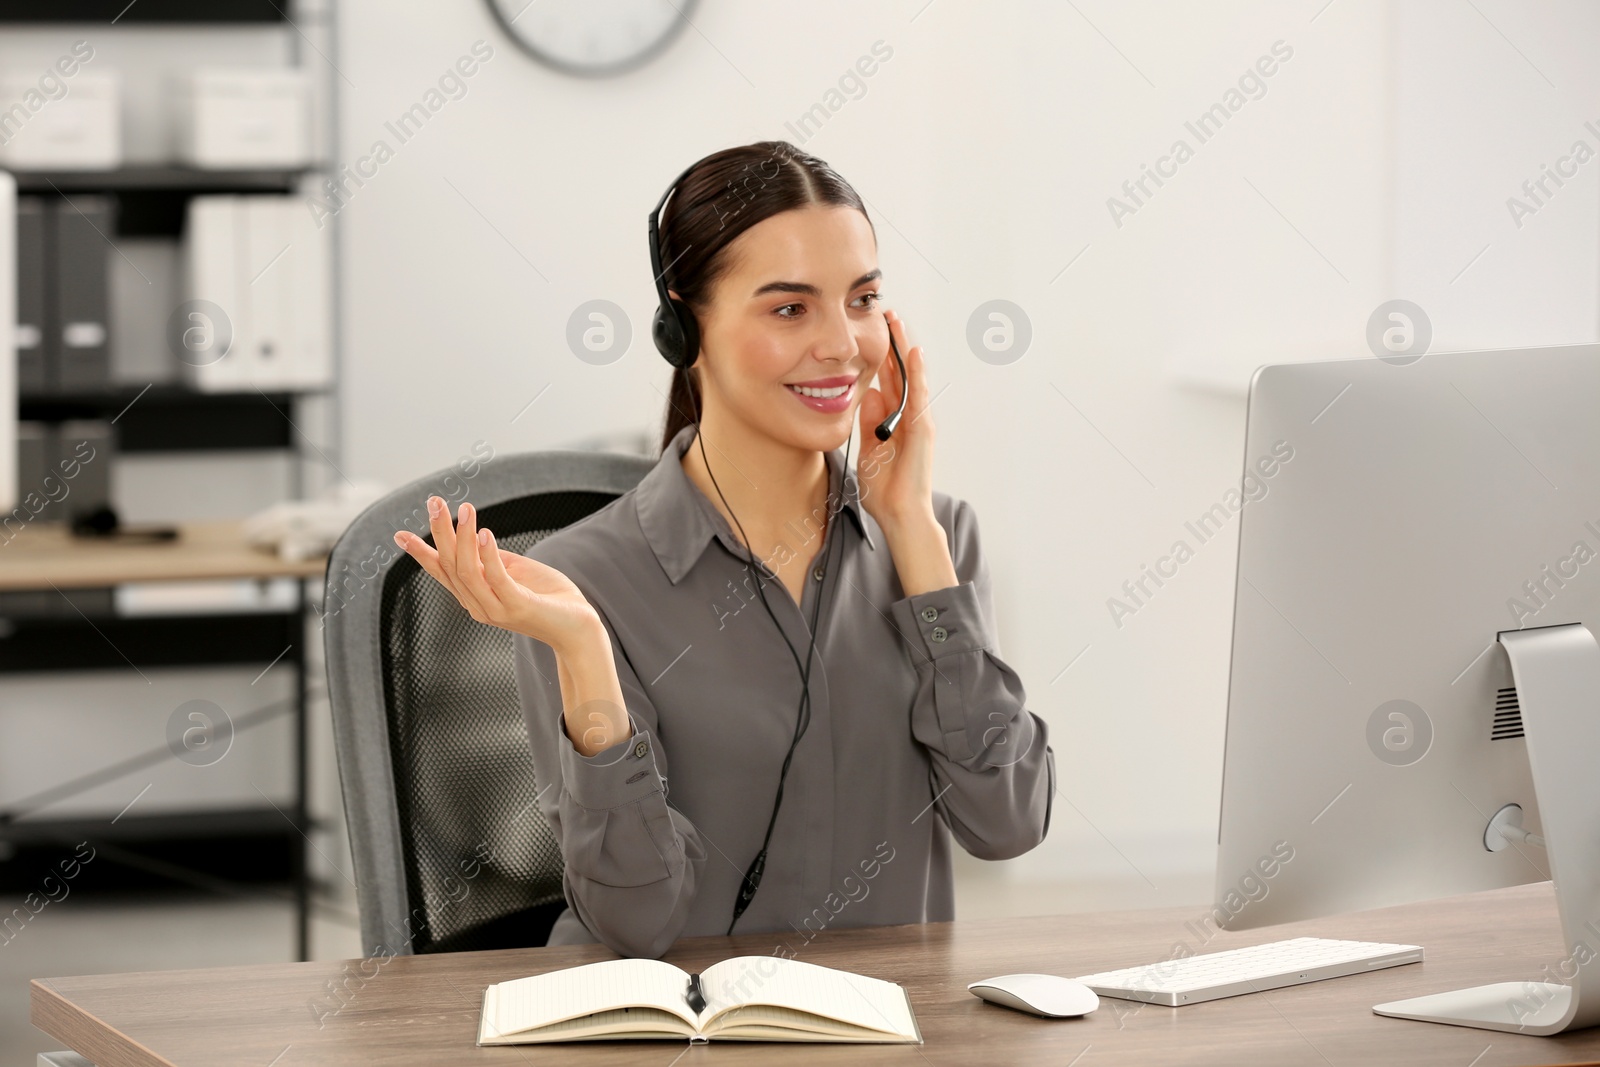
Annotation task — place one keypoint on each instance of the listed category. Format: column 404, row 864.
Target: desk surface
column 424, row 1009
column 45, row 555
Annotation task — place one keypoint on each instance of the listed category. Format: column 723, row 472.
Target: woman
column 648, row 632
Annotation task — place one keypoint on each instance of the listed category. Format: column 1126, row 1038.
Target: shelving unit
column 143, row 11
column 152, row 198
column 151, row 178
column 80, row 630
column 171, row 417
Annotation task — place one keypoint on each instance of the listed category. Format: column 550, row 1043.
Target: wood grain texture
column 424, row 1009
column 44, row 555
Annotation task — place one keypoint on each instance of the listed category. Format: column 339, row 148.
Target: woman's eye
column 786, row 307
column 874, row 297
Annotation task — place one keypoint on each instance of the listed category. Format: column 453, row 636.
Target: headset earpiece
column 676, row 334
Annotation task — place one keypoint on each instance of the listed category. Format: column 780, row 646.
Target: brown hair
column 721, row 197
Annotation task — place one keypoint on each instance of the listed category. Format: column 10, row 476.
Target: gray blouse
column 918, row 729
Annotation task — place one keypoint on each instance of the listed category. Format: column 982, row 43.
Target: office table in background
column 58, row 611
column 424, row 1009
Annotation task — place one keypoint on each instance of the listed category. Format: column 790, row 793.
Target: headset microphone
column 886, row 427
column 677, row 337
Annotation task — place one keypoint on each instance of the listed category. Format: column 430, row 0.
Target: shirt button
column 817, row 574
column 929, row 614
column 641, row 748
column 939, row 633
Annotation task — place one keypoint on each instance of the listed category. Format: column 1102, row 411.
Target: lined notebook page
column 808, row 987
column 631, row 1022
column 524, row 1003
column 763, row 1022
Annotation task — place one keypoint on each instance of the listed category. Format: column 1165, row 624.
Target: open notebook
column 747, row 998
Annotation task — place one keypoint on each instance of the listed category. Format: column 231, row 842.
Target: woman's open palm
column 497, row 587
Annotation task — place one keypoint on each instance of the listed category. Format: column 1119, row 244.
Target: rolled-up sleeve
column 993, row 773
column 632, row 861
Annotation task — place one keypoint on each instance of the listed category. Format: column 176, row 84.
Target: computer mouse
column 1038, row 994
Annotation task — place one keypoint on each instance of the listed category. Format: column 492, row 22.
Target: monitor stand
column 1557, row 674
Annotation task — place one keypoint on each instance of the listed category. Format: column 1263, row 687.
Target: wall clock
column 592, row 38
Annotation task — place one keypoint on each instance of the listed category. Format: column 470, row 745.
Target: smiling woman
column 903, row 729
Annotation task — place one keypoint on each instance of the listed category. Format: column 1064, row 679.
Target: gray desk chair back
column 451, row 849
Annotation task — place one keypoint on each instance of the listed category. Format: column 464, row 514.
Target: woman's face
column 797, row 306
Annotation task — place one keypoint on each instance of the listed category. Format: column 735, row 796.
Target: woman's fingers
column 498, row 587
column 494, row 570
column 428, row 557
column 424, row 554
column 897, row 382
column 443, row 560
column 475, row 572
column 464, row 549
column 444, row 539
column 471, row 589
column 872, row 409
column 915, row 379
column 895, row 378
column 916, row 370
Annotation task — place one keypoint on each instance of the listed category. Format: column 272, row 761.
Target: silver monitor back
column 1429, row 503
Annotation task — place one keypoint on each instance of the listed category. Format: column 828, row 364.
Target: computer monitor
column 1417, row 591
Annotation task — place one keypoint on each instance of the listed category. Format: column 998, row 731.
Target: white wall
column 987, row 147
column 1484, row 102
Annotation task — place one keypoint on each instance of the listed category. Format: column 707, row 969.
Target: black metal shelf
column 152, row 200
column 172, row 417
column 224, row 849
column 250, row 821
column 105, row 11
column 157, row 177
column 34, row 643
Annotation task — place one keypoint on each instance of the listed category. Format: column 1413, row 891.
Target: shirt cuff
column 942, row 622
column 614, row 776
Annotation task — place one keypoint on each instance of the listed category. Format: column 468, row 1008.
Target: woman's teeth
column 838, row 390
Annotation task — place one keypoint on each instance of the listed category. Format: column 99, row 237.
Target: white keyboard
column 1195, row 979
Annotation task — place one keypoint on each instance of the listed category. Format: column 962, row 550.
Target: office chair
column 451, row 849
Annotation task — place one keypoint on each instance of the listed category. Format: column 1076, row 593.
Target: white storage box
column 232, row 118
column 79, row 129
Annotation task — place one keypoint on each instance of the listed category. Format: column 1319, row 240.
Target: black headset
column 677, row 336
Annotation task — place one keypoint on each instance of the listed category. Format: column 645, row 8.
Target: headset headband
column 655, row 236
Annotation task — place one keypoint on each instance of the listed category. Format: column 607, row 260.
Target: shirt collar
column 678, row 519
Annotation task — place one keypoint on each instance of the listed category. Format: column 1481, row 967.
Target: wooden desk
column 424, row 1009
column 44, row 555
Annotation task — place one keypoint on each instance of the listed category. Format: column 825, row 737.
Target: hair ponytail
column 683, row 401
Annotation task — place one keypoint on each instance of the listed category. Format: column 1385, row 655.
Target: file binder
column 262, row 261
column 82, row 230
column 32, row 275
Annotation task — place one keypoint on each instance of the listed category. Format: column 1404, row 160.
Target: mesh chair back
column 451, row 851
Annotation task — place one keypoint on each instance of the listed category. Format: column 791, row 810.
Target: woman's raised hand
column 498, row 587
column 896, row 475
